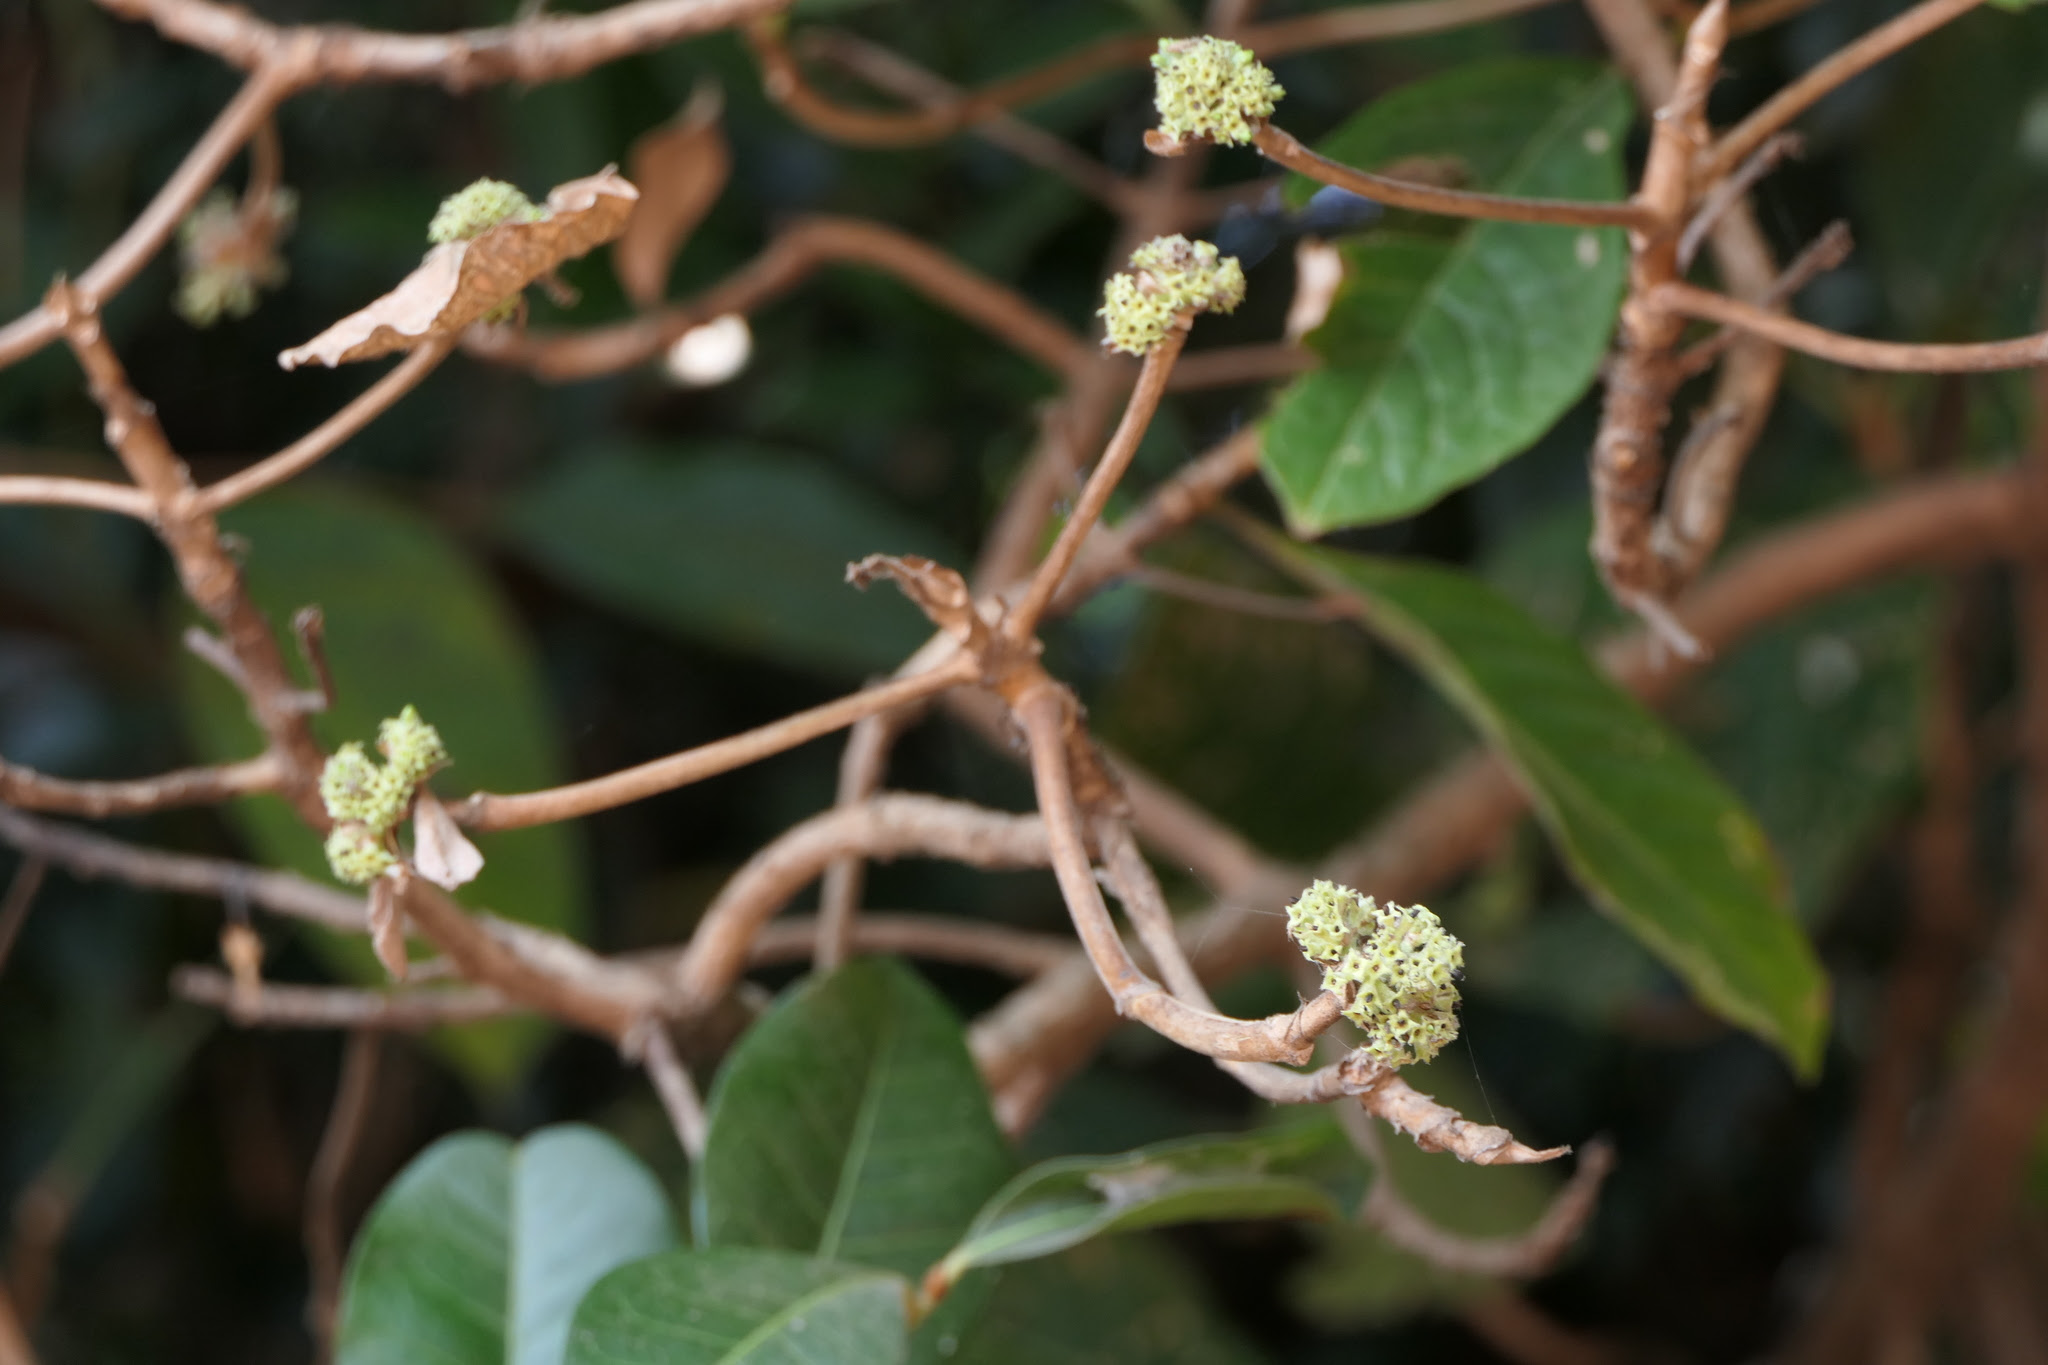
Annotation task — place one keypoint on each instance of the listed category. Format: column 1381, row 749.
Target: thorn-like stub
column 1170, row 280
column 1210, row 90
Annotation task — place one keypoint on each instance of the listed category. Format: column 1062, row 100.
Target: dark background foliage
column 180, row 1146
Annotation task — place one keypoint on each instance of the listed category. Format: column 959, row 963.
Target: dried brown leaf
column 680, row 168
column 458, row 283
column 387, row 926
column 939, row 592
column 440, row 851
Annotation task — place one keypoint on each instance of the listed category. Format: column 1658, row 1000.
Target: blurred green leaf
column 480, row 1251
column 410, row 619
column 1447, row 354
column 850, row 1122
column 1124, row 1301
column 746, row 549
column 1647, row 828
column 1061, row 1203
column 729, row 1306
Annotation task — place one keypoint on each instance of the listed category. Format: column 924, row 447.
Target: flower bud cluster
column 366, row 799
column 1170, row 278
column 1211, row 89
column 474, row 210
column 228, row 254
column 1396, row 966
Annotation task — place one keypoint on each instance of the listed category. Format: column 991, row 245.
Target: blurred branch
column 31, row 790
column 98, row 495
column 937, row 938
column 88, row 855
column 1845, row 63
column 326, row 1184
column 488, row 810
column 791, row 256
column 14, row 1345
column 20, row 899
column 651, row 1046
column 1525, row 1257
column 1904, row 357
column 1519, row 1331
column 408, row 1009
column 532, row 51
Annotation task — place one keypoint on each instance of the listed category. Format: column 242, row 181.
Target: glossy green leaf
column 1653, row 835
column 480, row 1251
column 733, row 1306
column 1122, row 1301
column 1064, row 1202
column 850, row 1123
column 1447, row 353
column 743, row 548
column 410, row 619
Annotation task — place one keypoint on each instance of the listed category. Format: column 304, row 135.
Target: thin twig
column 98, row 495
column 488, row 810
column 1526, row 1256
column 20, row 899
column 1230, row 597
column 14, row 1343
column 656, row 1051
column 31, row 790
column 1900, row 357
column 1821, row 255
column 320, row 442
column 401, row 1009
column 1796, row 98
column 326, row 1183
column 1021, row 621
column 1282, row 146
column 1729, row 192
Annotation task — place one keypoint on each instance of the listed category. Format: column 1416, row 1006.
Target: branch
column 1282, row 146
column 98, row 495
column 88, row 855
column 251, row 107
column 530, row 52
column 1020, row 623
column 405, row 1009
column 790, row 258
column 656, row 1052
column 1525, row 1257
column 354, row 1093
column 1692, row 301
column 31, row 790
column 19, row 900
column 489, row 811
column 886, row 827
column 1796, row 98
column 939, row 938
column 320, row 442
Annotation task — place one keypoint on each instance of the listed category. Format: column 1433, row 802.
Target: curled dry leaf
column 939, row 592
column 680, row 168
column 460, row 282
column 387, row 925
column 1318, row 270
column 440, row 851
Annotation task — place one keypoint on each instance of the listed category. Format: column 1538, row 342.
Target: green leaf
column 743, row 548
column 1657, row 840
column 850, row 1123
column 728, row 1306
column 480, row 1251
column 1126, row 1301
column 1064, row 1202
column 410, row 619
column 1447, row 354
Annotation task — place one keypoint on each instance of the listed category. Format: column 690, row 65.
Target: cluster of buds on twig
column 227, row 252
column 367, row 800
column 1208, row 90
column 1396, row 967
column 1170, row 280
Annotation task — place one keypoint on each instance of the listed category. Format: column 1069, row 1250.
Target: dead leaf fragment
column 440, row 851
column 460, row 282
column 387, row 926
column 680, row 168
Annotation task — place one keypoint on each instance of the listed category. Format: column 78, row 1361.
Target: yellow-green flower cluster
column 366, row 799
column 1396, row 965
column 477, row 208
column 1170, row 277
column 1211, row 89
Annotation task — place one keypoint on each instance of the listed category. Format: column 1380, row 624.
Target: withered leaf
column 387, row 926
column 680, row 168
column 440, row 851
column 460, row 282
